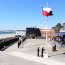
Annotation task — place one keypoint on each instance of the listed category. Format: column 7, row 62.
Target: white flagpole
column 47, row 4
column 46, row 30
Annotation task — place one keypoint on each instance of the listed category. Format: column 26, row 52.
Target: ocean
column 7, row 32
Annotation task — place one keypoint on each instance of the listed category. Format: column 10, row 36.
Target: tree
column 57, row 27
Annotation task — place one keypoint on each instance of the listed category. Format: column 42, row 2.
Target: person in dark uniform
column 19, row 43
column 42, row 51
column 38, row 50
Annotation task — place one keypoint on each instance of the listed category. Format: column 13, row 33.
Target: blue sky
column 19, row 14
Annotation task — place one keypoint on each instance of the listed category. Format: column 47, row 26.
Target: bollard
column 54, row 47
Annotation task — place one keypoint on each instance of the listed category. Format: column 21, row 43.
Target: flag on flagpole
column 46, row 11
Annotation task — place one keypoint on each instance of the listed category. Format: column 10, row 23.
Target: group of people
column 21, row 40
column 59, row 39
column 42, row 51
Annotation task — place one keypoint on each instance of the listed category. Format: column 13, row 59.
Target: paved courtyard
column 27, row 54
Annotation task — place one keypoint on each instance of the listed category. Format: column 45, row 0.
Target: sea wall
column 4, row 43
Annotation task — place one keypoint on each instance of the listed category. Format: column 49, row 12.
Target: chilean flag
column 47, row 11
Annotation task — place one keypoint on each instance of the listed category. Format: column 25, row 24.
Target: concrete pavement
column 29, row 49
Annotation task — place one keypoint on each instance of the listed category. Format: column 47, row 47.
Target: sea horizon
column 7, row 32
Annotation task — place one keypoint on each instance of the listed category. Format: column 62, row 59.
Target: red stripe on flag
column 45, row 13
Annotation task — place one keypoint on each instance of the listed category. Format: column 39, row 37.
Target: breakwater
column 4, row 43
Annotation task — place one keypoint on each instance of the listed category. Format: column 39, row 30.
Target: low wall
column 7, row 41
